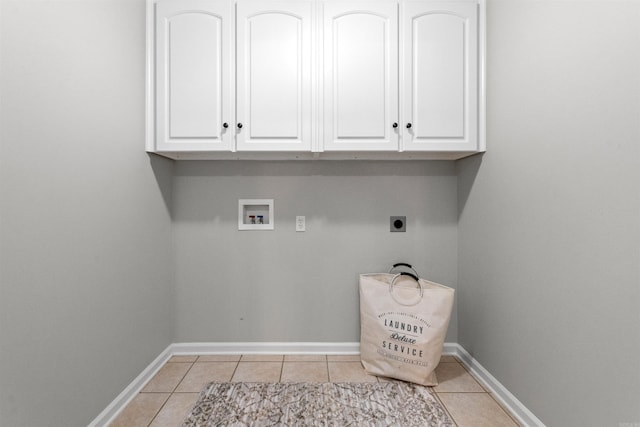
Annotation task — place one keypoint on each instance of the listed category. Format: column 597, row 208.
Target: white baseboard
column 522, row 414
column 450, row 349
column 127, row 395
column 266, row 348
column 517, row 409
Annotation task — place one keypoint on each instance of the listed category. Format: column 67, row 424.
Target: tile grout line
column 480, row 383
column 171, row 392
column 491, row 395
column 235, row 369
column 435, row 393
column 326, row 363
column 159, row 409
column 183, row 377
column 484, row 391
column 462, row 392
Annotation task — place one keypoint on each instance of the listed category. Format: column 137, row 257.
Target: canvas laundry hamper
column 403, row 323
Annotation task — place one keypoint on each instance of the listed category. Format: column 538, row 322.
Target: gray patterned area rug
column 317, row 404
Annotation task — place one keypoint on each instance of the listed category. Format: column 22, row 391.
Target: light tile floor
column 169, row 396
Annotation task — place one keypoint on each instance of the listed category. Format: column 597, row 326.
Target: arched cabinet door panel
column 360, row 75
column 193, row 86
column 274, row 90
column 440, row 78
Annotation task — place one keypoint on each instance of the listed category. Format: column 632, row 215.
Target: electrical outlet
column 398, row 223
column 301, row 223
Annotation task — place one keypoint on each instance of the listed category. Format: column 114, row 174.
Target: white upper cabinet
column 192, row 75
column 274, row 65
column 440, row 79
column 315, row 79
column 360, row 75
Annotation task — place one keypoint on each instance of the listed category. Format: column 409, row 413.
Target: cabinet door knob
column 225, row 125
column 395, row 125
column 408, row 125
column 239, row 125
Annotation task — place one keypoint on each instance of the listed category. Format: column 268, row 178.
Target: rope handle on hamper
column 403, row 264
column 414, row 277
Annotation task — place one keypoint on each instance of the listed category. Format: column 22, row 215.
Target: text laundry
column 401, row 326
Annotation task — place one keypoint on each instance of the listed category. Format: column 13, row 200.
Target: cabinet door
column 192, row 62
column 274, row 105
column 440, row 76
column 360, row 75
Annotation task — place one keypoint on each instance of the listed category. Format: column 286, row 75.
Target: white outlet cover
column 301, row 223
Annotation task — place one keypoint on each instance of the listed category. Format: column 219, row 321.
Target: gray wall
column 302, row 287
column 549, row 261
column 85, row 246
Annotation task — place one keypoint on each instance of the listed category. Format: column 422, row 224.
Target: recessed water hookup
column 398, row 224
column 255, row 214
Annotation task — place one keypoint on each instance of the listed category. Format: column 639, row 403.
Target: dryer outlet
column 398, row 224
